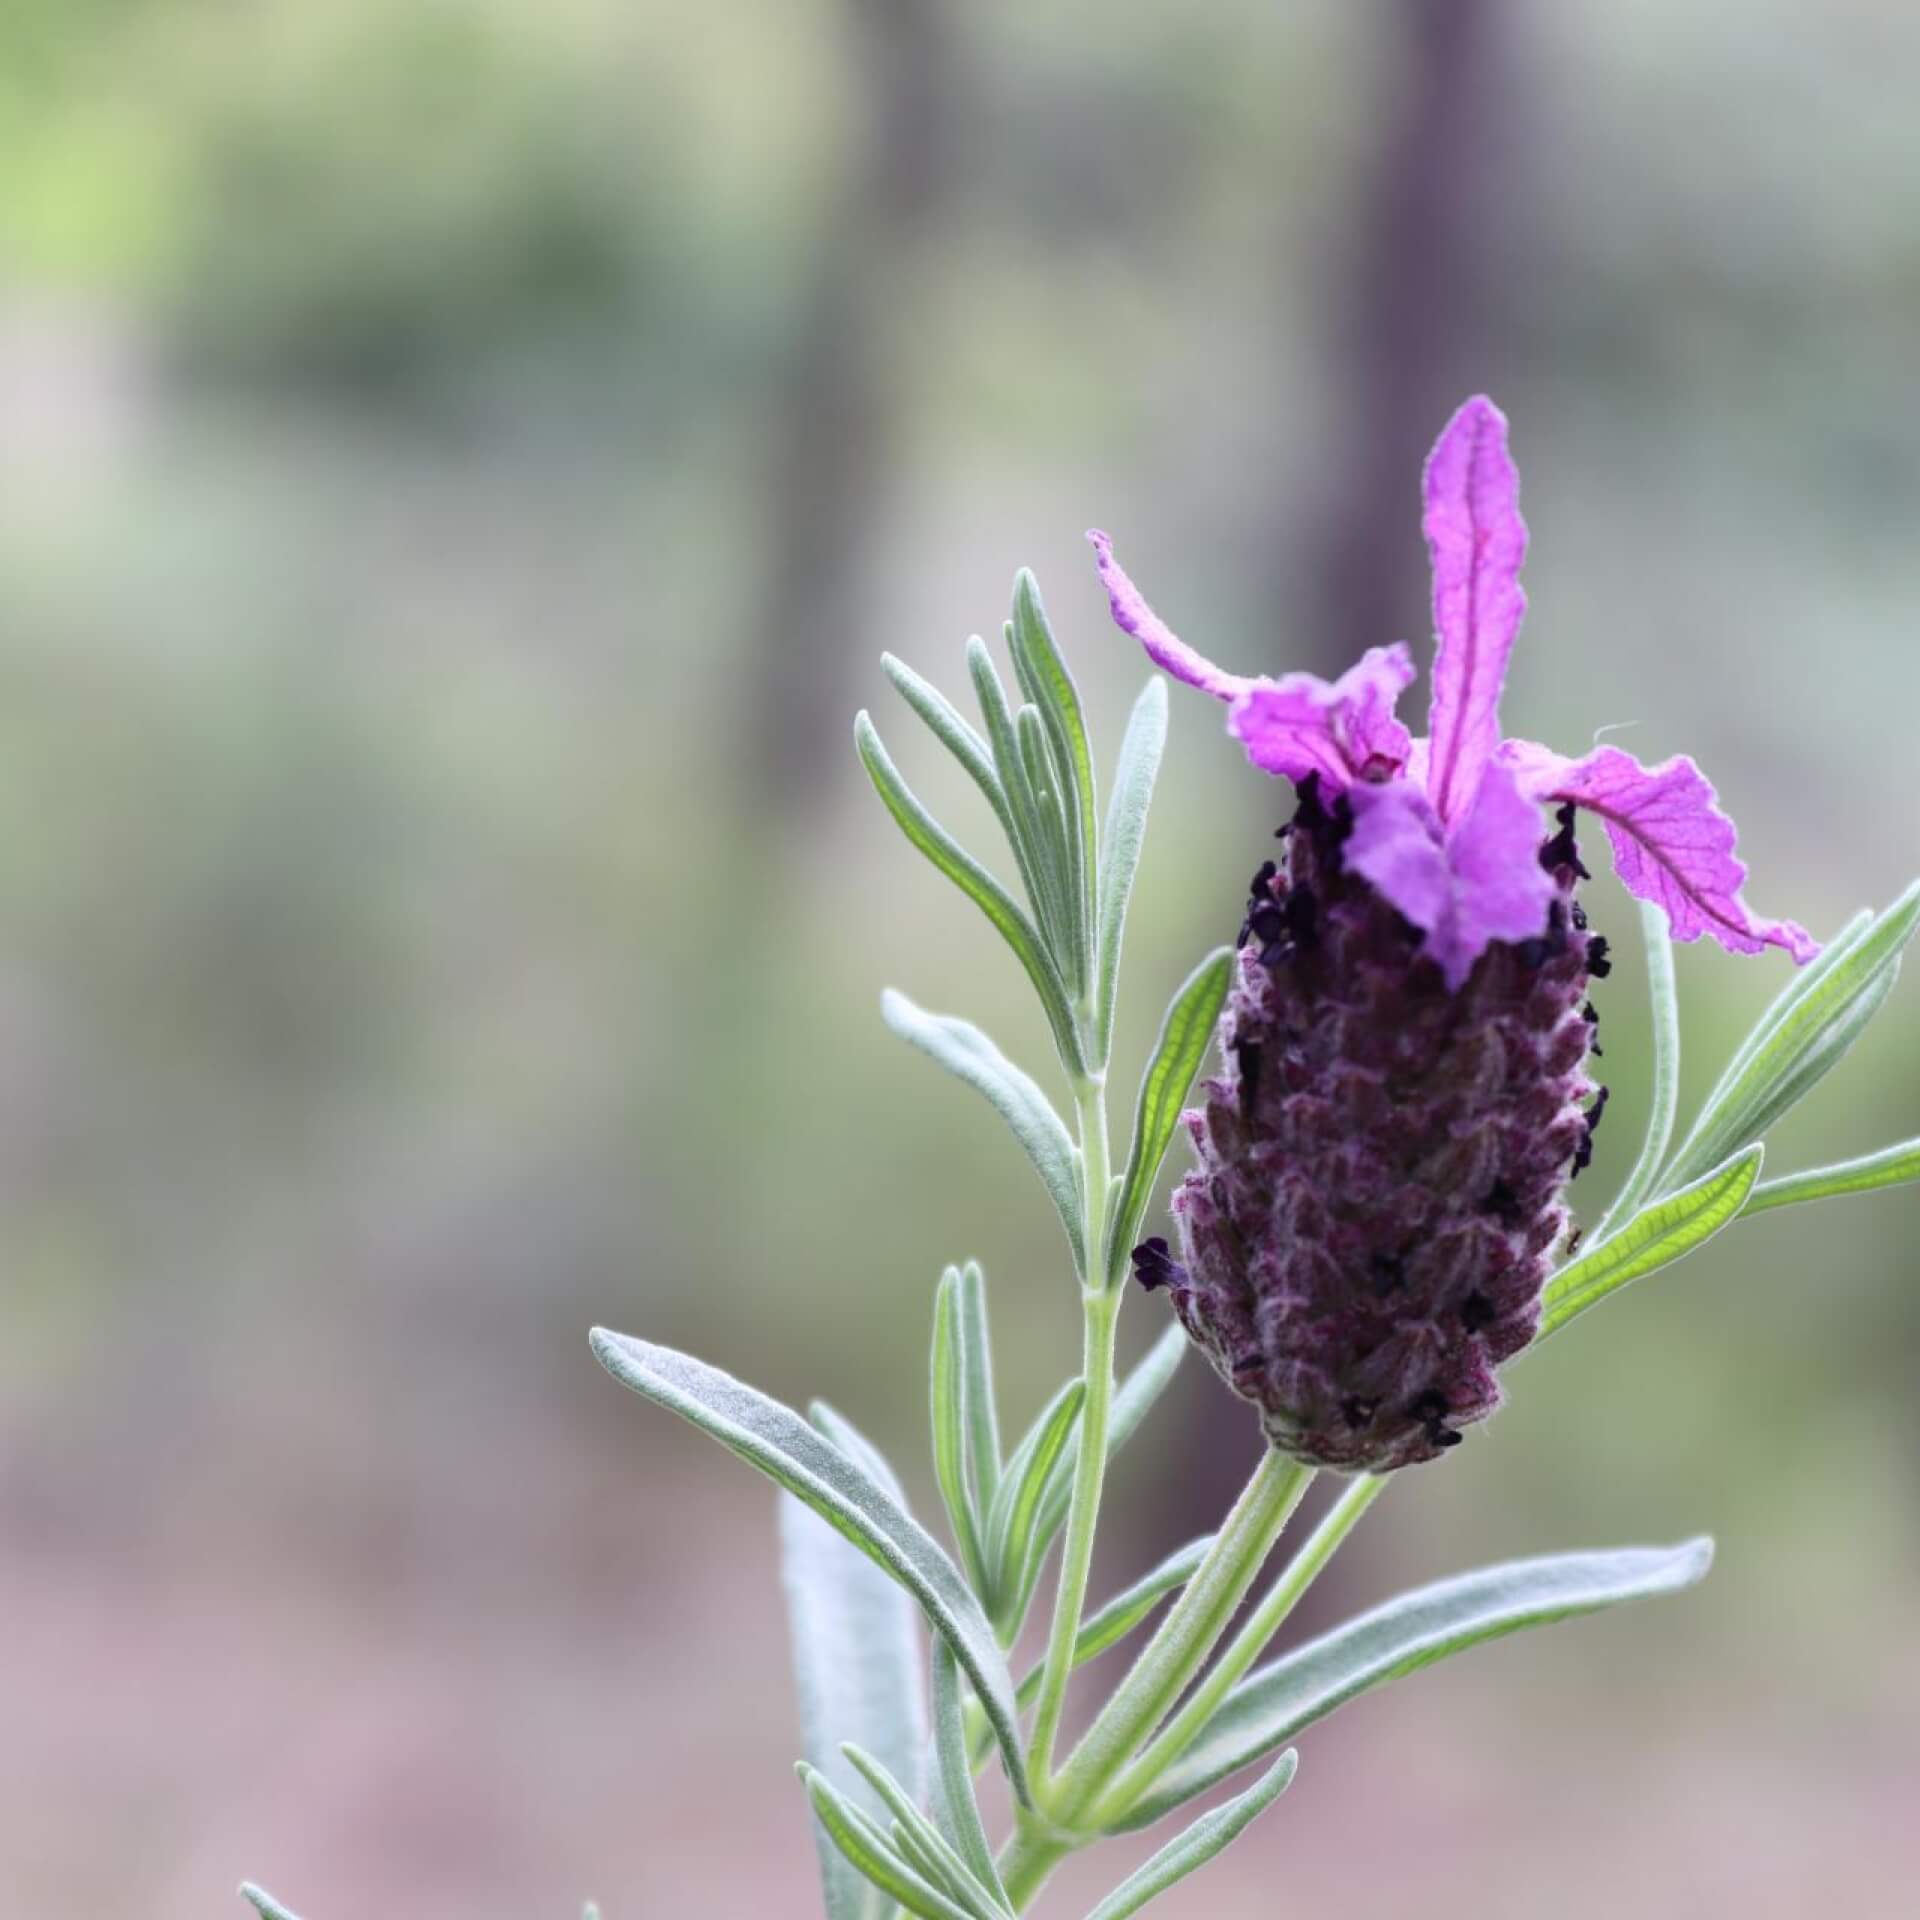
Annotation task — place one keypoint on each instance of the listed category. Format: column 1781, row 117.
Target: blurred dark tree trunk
column 831, row 440
column 1418, row 320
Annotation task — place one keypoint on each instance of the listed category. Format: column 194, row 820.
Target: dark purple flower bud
column 1382, row 1158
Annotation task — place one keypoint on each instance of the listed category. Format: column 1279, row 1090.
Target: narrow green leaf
column 1659, row 1234
column 955, row 1809
column 1890, row 1167
column 976, row 1373
column 1800, row 1039
column 950, row 727
column 1126, row 831
column 1185, row 1035
column 1050, row 686
column 265, row 1904
column 1800, row 983
column 856, row 1660
column 1663, row 1001
column 969, row 1055
column 842, row 1433
column 1211, row 1834
column 948, row 1399
column 873, row 1855
column 976, row 883
column 1018, row 1504
column 785, row 1448
column 927, row 1846
column 1054, row 830
column 1027, row 829
column 1275, row 1702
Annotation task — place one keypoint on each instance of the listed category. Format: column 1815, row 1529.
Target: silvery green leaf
column 1659, row 1234
column 924, row 1845
column 955, row 1809
column 950, row 727
column 842, row 1433
column 1277, row 1701
column 1026, row 830
column 1185, row 1034
column 785, row 1448
column 1211, row 1834
column 976, row 883
column 590, row 1911
column 948, row 1401
column 856, row 1661
column 1053, row 830
column 1890, row 1167
column 1120, row 844
column 1049, row 684
column 1800, row 1038
column 873, row 1854
column 1014, row 1548
column 969, row 1055
column 1663, row 1002
column 265, row 1904
column 976, row 1379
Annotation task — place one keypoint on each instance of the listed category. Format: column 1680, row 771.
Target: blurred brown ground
column 440, row 919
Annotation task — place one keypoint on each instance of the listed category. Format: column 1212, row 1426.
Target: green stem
column 1101, row 1306
column 1664, row 1003
column 1248, row 1644
column 1026, row 1861
column 1187, row 1635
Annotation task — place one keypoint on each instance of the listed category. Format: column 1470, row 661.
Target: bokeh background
column 459, row 462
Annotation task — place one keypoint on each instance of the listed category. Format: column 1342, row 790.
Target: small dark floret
column 1154, row 1266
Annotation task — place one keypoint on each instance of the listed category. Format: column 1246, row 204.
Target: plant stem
column 1187, row 1635
column 1101, row 1307
column 1025, row 1862
column 1663, row 1001
column 1248, row 1645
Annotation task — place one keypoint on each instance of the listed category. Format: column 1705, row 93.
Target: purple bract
column 1447, row 828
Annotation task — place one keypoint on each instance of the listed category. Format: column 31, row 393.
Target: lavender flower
column 1383, row 1158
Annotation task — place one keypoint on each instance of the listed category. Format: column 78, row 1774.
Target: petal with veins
column 1477, row 541
column 1671, row 843
column 1342, row 730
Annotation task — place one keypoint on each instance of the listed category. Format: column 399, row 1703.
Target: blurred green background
column 459, row 461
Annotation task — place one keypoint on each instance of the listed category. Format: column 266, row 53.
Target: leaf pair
column 1034, row 764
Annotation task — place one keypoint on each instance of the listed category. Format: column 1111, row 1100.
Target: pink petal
column 1500, row 889
column 1477, row 541
column 1131, row 614
column 1671, row 843
column 1481, row 883
column 1343, row 730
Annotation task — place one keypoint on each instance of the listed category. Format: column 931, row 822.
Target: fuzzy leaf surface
column 1185, row 1035
column 1659, row 1234
column 1890, row 1167
column 873, row 1856
column 1800, row 1038
column 855, row 1638
column 1126, row 830
column 1276, row 1701
column 1211, row 1834
column 969, row 1055
column 785, row 1448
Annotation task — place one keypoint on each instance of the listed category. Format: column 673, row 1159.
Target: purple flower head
column 1381, row 1163
column 1447, row 828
